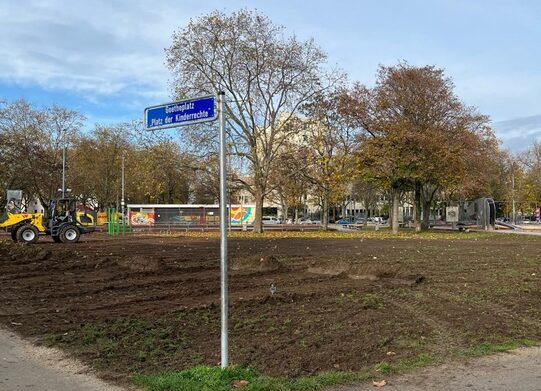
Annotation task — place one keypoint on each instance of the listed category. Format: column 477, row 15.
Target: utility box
column 451, row 214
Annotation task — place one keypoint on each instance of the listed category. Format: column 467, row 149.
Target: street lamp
column 63, row 131
column 514, row 214
column 512, row 169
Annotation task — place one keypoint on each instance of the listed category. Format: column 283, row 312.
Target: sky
column 106, row 59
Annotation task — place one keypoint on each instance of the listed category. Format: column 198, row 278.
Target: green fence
column 116, row 223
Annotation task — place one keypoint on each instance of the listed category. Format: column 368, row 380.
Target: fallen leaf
column 240, row 383
column 391, row 353
column 379, row 383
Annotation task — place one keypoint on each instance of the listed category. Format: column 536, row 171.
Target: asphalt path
column 24, row 366
column 518, row 370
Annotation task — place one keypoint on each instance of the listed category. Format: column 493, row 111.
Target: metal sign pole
column 64, row 163
column 188, row 112
column 223, row 237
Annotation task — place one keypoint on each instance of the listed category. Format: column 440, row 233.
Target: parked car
column 376, row 220
column 503, row 220
column 345, row 220
column 270, row 220
column 309, row 221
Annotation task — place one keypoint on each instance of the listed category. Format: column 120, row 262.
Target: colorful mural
column 149, row 214
column 243, row 215
column 141, row 218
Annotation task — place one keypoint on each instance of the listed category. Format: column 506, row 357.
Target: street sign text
column 180, row 113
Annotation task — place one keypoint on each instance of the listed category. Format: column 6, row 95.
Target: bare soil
column 144, row 304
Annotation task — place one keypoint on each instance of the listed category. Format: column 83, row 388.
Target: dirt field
column 142, row 304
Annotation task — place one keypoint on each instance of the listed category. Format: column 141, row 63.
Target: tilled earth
column 144, row 304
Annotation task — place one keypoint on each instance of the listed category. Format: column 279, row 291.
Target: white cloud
column 93, row 48
column 520, row 133
column 115, row 48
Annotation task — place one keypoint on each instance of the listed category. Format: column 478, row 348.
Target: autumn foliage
column 419, row 135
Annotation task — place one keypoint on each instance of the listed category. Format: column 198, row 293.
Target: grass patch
column 421, row 361
column 381, row 234
column 372, row 301
column 108, row 343
column 204, row 378
column 490, row 348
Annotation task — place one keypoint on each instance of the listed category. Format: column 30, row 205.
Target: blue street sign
column 185, row 112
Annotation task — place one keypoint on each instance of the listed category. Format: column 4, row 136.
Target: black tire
column 70, row 234
column 56, row 239
column 27, row 234
column 14, row 233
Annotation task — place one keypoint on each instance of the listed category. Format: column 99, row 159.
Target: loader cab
column 62, row 210
column 62, row 224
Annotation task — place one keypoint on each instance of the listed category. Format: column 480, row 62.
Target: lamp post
column 513, row 196
column 64, row 162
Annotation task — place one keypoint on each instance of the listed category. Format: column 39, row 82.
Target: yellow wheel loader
column 62, row 223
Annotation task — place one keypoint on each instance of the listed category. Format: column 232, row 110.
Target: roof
column 185, row 205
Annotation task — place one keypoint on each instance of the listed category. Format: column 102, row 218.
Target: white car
column 309, row 221
column 270, row 220
column 376, row 220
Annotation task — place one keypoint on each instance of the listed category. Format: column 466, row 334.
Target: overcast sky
column 106, row 58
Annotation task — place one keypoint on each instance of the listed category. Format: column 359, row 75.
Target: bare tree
column 31, row 143
column 332, row 141
column 368, row 192
column 290, row 177
column 266, row 77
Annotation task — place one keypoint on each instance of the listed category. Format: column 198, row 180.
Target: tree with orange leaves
column 419, row 135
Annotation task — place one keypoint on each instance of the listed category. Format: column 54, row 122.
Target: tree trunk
column 426, row 215
column 428, row 193
column 285, row 207
column 417, row 208
column 396, row 203
column 365, row 214
column 258, row 223
column 325, row 217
